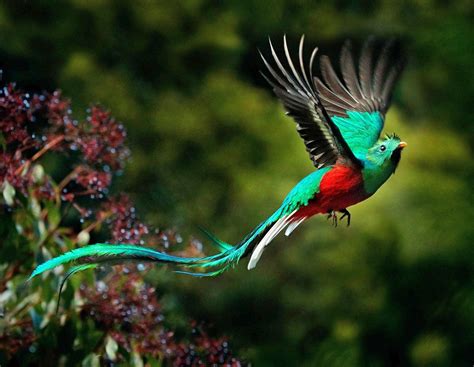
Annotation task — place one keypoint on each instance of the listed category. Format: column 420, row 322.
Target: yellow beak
column 402, row 145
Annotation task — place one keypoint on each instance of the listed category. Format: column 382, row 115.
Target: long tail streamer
column 90, row 256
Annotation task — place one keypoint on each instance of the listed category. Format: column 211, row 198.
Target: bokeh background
column 211, row 146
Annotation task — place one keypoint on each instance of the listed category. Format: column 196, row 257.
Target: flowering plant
column 55, row 178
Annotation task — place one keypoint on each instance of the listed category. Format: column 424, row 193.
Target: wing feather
column 335, row 85
column 362, row 97
column 365, row 89
column 365, row 68
column 380, row 70
column 322, row 138
column 349, row 72
column 325, row 109
column 392, row 78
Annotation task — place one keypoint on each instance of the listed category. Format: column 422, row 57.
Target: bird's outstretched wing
column 358, row 103
column 322, row 138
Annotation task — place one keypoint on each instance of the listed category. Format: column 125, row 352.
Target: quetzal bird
column 340, row 122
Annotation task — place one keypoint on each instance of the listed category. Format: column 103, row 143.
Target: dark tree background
column 210, row 145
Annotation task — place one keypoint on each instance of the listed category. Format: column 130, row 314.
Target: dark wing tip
column 301, row 100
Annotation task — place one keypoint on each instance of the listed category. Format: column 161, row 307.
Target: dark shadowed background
column 211, row 146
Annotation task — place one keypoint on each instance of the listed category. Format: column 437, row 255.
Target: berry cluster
column 17, row 337
column 128, row 311
column 125, row 226
column 31, row 126
column 36, row 207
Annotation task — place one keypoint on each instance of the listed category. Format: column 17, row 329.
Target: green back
column 303, row 191
column 360, row 130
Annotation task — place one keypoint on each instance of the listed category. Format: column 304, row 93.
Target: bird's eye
column 382, row 148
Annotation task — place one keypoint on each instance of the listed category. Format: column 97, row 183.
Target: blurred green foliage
column 210, row 145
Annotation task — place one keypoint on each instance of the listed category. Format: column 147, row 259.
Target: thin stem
column 39, row 153
column 68, row 178
column 47, row 147
column 93, row 225
column 52, row 230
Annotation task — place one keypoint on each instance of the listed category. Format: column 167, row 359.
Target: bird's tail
column 91, row 256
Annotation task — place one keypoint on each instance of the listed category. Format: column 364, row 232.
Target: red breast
column 340, row 188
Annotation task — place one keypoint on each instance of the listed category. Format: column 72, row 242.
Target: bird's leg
column 345, row 213
column 332, row 215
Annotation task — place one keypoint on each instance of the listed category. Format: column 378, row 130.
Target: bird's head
column 387, row 151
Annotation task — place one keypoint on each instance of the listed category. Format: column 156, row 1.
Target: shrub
column 56, row 174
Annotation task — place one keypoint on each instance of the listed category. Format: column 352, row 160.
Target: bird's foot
column 332, row 215
column 345, row 213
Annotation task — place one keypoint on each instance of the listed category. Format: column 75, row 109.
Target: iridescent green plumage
column 360, row 130
column 229, row 255
column 340, row 122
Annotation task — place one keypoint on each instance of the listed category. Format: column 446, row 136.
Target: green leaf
column 136, row 359
column 8, row 193
column 111, row 348
column 35, row 207
column 36, row 318
column 40, row 229
column 92, row 360
column 54, row 215
column 37, row 173
column 83, row 238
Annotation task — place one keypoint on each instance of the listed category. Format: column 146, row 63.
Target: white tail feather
column 279, row 225
column 292, row 226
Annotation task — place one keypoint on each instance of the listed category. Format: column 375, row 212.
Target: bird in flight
column 340, row 122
